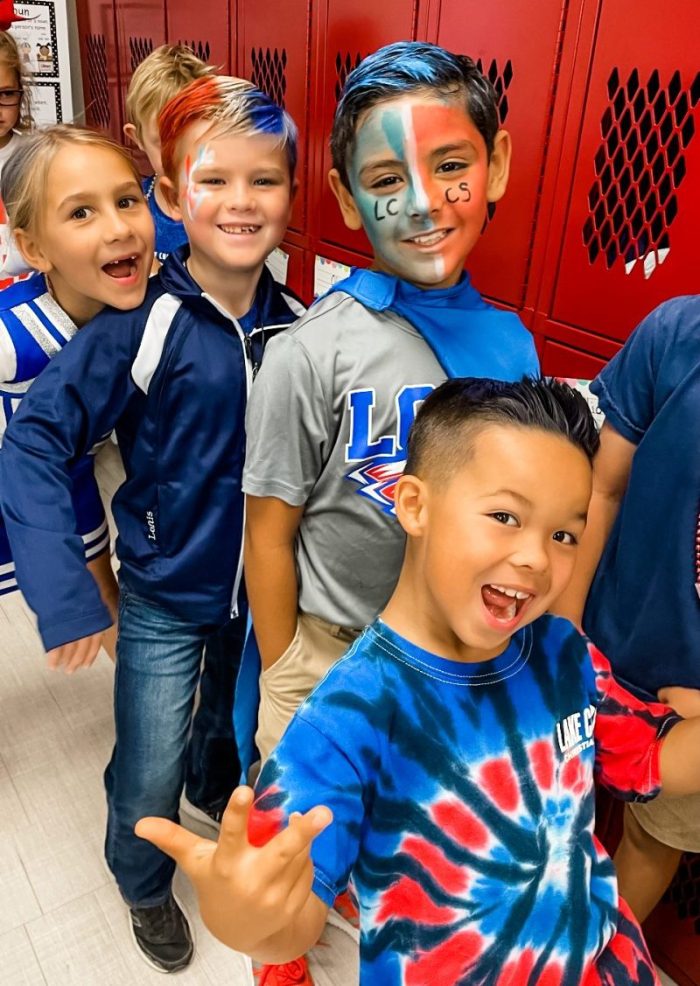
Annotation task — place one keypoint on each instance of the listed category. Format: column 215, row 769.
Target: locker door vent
column 639, row 166
column 139, row 48
column 500, row 80
column 684, row 892
column 344, row 64
column 270, row 72
column 201, row 49
column 98, row 109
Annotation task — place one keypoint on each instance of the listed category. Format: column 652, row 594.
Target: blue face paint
column 418, row 175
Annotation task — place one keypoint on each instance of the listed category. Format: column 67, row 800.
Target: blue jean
column 159, row 746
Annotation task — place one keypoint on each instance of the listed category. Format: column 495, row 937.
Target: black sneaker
column 163, row 935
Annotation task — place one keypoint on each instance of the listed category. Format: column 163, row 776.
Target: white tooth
column 511, row 592
column 511, row 611
column 498, row 588
column 522, row 595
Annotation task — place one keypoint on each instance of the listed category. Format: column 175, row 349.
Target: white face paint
column 419, row 174
column 193, row 194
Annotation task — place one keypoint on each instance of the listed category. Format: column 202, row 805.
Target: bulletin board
column 42, row 40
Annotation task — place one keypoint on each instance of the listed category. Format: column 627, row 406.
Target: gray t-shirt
column 328, row 420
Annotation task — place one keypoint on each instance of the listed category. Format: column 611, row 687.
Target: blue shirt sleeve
column 633, row 384
column 74, row 403
column 309, row 769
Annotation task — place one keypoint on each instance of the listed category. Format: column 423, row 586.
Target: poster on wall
column 42, row 39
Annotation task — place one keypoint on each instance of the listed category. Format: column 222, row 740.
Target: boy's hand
column 246, row 894
column 75, row 654
column 684, row 701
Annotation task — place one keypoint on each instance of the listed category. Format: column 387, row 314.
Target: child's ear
column 131, row 133
column 31, row 251
column 351, row 215
column 499, row 166
column 171, row 196
column 410, row 502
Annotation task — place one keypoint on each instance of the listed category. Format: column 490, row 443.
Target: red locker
column 98, row 55
column 558, row 360
column 624, row 228
column 517, row 45
column 208, row 37
column 345, row 32
column 273, row 52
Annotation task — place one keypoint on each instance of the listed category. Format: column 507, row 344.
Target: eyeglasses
column 10, row 97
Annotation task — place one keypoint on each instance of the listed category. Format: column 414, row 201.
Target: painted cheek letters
column 460, row 194
column 385, row 207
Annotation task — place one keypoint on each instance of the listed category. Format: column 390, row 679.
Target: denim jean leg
column 158, row 661
column 213, row 769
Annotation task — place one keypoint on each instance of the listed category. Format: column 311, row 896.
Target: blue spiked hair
column 404, row 67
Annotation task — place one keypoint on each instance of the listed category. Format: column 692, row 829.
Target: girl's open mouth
column 122, row 268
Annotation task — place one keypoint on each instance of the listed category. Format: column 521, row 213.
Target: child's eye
column 503, row 517
column 448, row 167
column 212, row 181
column 565, row 537
column 266, row 181
column 80, row 213
column 387, row 181
column 127, row 201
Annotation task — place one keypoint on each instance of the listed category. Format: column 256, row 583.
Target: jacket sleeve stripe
column 155, row 333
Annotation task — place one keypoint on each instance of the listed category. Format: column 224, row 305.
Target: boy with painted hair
column 172, row 377
column 160, row 76
column 457, row 742
column 417, row 156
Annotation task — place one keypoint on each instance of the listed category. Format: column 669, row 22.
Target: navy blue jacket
column 172, row 377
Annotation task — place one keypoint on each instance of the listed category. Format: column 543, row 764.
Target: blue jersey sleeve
column 309, row 769
column 636, row 383
column 74, row 402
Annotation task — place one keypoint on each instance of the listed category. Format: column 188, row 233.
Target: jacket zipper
column 249, row 373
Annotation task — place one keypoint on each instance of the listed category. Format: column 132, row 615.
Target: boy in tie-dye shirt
column 446, row 764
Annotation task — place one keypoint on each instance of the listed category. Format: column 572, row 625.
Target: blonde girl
column 79, row 218
column 15, row 119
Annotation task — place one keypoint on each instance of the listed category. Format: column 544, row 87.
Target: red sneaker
column 294, row 973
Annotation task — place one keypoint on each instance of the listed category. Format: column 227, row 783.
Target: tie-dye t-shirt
column 463, row 808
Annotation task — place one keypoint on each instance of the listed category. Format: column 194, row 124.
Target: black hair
column 404, row 67
column 439, row 439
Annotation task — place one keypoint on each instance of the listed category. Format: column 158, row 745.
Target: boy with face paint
column 417, row 158
column 172, row 377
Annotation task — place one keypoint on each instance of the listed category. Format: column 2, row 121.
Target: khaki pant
column 315, row 648
column 673, row 821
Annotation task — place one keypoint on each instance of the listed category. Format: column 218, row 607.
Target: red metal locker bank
column 100, row 68
column 208, row 36
column 624, row 203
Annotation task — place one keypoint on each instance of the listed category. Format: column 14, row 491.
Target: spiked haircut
column 406, row 67
column 232, row 107
column 442, row 436
column 159, row 77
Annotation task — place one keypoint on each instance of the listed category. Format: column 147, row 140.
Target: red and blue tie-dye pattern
column 463, row 804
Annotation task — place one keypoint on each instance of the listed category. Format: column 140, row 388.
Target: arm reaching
column 255, row 900
column 611, row 470
column 270, row 573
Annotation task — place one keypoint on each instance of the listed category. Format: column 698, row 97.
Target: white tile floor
column 62, row 922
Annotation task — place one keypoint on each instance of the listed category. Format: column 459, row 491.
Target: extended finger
column 293, row 842
column 234, row 823
column 55, row 658
column 183, row 846
column 82, row 655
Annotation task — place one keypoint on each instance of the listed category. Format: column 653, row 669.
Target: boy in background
column 640, row 559
column 159, row 77
column 457, row 742
column 172, row 377
column 417, row 157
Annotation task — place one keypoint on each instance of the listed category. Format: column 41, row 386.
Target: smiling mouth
column 503, row 602
column 428, row 239
column 239, row 230
column 122, row 268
